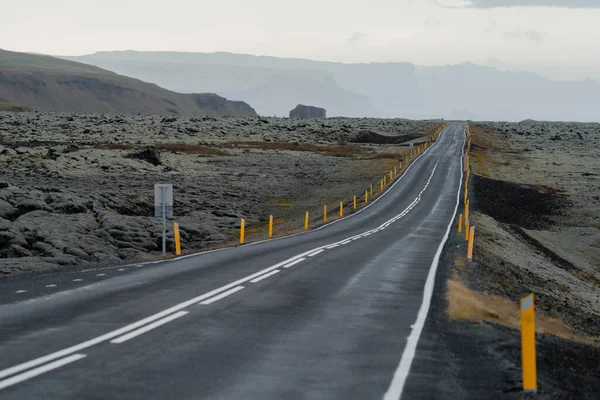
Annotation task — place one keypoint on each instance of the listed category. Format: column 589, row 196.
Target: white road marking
column 51, row 285
column 265, row 276
column 294, row 263
column 346, row 242
column 316, row 252
column 118, row 332
column 100, row 274
column 40, row 370
column 394, row 392
column 121, row 269
column 21, row 291
column 333, row 246
column 222, row 295
column 77, row 280
column 148, row 327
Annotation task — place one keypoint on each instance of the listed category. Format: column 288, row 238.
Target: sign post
column 163, row 207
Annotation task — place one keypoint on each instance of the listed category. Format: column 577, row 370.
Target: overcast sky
column 558, row 38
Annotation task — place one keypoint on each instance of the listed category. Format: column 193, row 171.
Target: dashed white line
column 51, row 285
column 315, row 253
column 294, row 263
column 121, row 269
column 148, row 327
column 40, row 370
column 332, row 246
column 100, row 274
column 222, row 295
column 77, row 280
column 346, row 241
column 21, row 291
column 265, row 276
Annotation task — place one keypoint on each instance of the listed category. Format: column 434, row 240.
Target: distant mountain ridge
column 46, row 83
column 275, row 85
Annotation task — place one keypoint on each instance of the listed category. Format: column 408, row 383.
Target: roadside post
column 325, row 213
column 466, row 229
column 242, row 231
column 471, row 240
column 341, row 209
column 177, row 239
column 355, row 202
column 528, row 344
column 270, row 226
column 366, row 197
column 306, row 221
column 460, row 217
column 163, row 207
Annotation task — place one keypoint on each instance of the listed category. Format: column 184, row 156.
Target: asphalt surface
column 333, row 313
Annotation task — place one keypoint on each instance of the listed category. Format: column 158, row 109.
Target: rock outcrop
column 302, row 111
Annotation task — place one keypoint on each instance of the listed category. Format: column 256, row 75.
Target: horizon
column 482, row 65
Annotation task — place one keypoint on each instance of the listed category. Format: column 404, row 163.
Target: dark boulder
column 149, row 154
column 302, row 111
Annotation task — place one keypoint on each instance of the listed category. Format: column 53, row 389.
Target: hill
column 372, row 89
column 51, row 84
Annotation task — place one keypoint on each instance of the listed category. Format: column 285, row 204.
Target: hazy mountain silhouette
column 51, row 84
column 274, row 85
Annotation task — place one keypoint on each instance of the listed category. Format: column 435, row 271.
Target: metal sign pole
column 163, row 192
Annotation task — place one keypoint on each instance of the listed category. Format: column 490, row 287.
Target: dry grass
column 469, row 305
column 331, row 150
column 184, row 148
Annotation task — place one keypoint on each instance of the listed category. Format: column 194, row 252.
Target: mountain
column 373, row 89
column 272, row 90
column 51, row 84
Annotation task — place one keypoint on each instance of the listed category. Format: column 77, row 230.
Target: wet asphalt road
column 320, row 315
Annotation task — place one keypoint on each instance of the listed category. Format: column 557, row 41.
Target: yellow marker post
column 306, row 221
column 466, row 194
column 242, row 230
column 177, row 239
column 371, row 190
column 466, row 229
column 341, row 209
column 470, row 247
column 270, row 225
column 325, row 213
column 366, row 197
column 384, row 180
column 355, row 202
column 391, row 176
column 528, row 344
column 381, row 185
column 467, row 210
column 396, row 170
column 460, row 218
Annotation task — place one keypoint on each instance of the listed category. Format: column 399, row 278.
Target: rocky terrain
column 534, row 197
column 77, row 189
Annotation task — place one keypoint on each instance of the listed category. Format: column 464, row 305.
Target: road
column 328, row 314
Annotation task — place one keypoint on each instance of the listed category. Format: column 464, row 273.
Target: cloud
column 529, row 35
column 534, row 3
column 356, row 37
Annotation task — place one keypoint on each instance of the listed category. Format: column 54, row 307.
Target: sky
column 555, row 38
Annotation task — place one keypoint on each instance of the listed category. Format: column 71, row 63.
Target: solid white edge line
column 265, row 276
column 394, row 391
column 40, row 370
column 222, row 295
column 294, row 263
column 315, row 253
column 148, row 327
